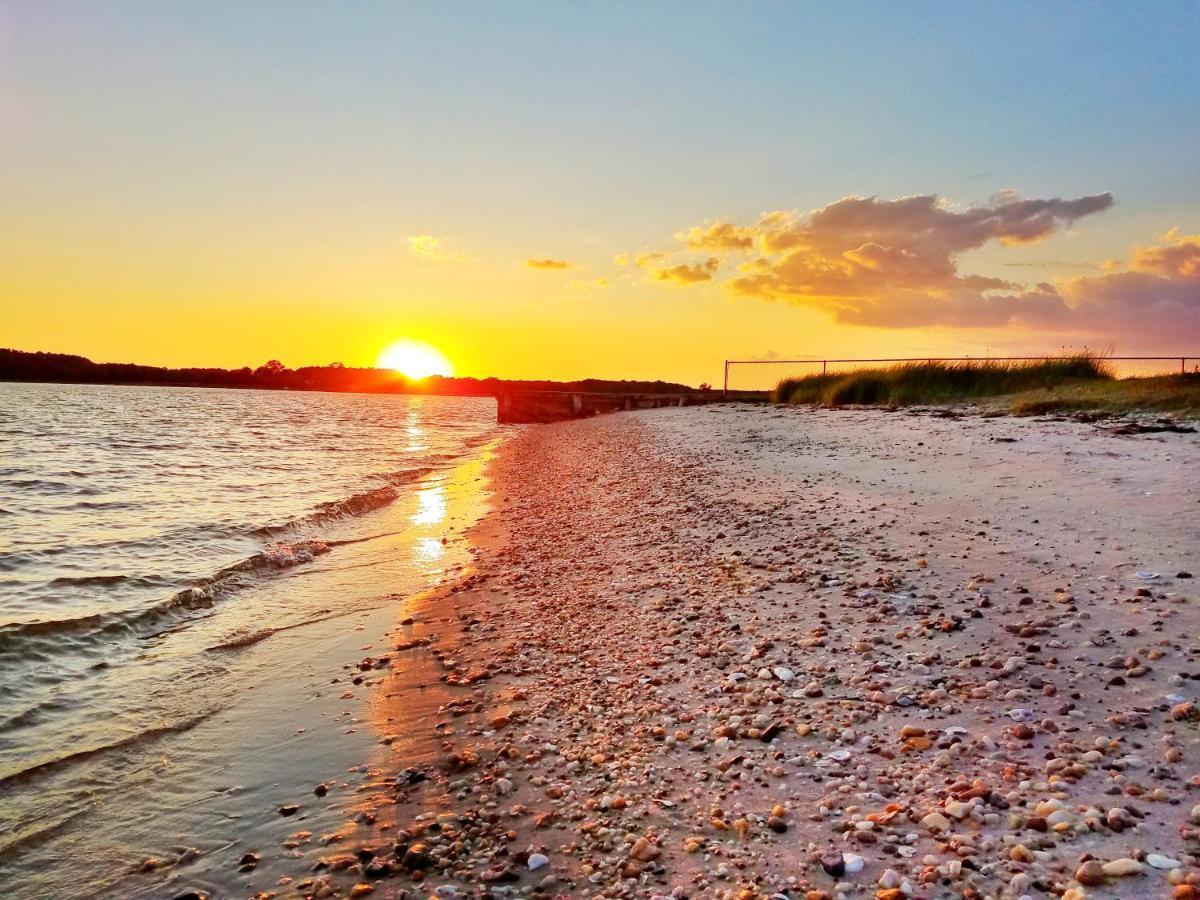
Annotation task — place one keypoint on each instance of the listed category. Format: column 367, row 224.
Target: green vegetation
column 938, row 382
column 1082, row 383
column 1175, row 394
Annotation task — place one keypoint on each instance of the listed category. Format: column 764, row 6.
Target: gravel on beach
column 758, row 652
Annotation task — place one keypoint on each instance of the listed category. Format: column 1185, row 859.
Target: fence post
column 824, row 366
column 1183, row 365
column 725, row 389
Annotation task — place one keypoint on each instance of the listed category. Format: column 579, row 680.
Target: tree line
column 20, row 365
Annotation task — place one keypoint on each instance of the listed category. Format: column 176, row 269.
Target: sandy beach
column 744, row 652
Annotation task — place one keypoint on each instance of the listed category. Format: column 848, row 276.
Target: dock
column 528, row 407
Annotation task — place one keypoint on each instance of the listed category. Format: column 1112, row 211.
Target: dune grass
column 1178, row 395
column 941, row 382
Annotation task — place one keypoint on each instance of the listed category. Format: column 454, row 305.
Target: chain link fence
column 765, row 374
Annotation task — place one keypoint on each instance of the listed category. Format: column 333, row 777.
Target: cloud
column 1158, row 293
column 684, row 273
column 1052, row 264
column 718, row 236
column 897, row 264
column 431, row 248
column 1155, row 296
column 647, row 259
column 549, row 264
column 1178, row 257
column 584, row 288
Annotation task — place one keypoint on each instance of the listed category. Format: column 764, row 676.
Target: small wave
column 190, row 599
column 243, row 640
column 34, row 714
column 146, row 621
column 237, row 642
column 107, row 580
column 185, row 537
column 44, row 639
column 49, row 486
column 141, row 737
column 354, row 505
column 101, row 505
column 37, row 834
column 286, row 555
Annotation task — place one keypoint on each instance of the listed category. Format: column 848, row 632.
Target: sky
column 583, row 189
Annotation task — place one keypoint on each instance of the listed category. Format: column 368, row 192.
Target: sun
column 414, row 360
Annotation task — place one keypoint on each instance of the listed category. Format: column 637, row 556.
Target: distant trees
column 272, row 368
column 20, row 365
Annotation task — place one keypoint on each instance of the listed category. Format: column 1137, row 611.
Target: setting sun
column 414, row 360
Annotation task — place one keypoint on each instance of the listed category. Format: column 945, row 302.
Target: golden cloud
column 431, row 248
column 717, row 237
column 549, row 264
column 685, row 273
column 585, row 288
column 896, row 264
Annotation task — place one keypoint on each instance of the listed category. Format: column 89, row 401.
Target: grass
column 1067, row 384
column 1175, row 394
column 937, row 382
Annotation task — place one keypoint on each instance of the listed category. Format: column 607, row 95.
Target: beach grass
column 1178, row 395
column 940, row 382
column 1078, row 383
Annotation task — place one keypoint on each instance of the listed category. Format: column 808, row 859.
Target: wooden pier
column 526, row 407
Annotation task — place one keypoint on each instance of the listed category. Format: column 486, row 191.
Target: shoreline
column 717, row 657
column 288, row 758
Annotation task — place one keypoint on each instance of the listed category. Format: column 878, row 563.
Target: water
column 160, row 549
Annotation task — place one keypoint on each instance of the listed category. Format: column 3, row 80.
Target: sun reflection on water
column 415, row 430
column 431, row 505
column 428, row 549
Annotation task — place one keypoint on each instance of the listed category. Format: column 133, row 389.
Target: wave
column 242, row 640
column 49, row 486
column 140, row 737
column 101, row 505
column 247, row 639
column 37, row 834
column 44, row 639
column 356, row 504
column 35, row 713
column 185, row 536
column 143, row 622
column 107, row 580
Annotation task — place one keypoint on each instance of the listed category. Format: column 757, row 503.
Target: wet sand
column 755, row 652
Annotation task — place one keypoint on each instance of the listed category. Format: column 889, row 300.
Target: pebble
column 1121, row 867
column 889, row 879
column 957, row 809
column 834, row 864
column 936, row 822
column 1090, row 873
column 1158, row 861
column 853, row 863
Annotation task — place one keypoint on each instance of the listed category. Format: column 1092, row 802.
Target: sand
column 753, row 652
